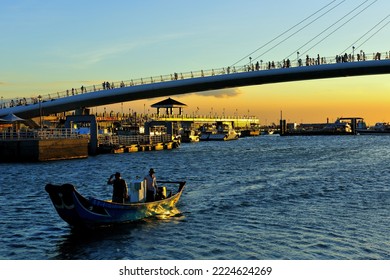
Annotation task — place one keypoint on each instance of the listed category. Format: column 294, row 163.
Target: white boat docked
column 224, row 135
column 378, row 128
column 218, row 132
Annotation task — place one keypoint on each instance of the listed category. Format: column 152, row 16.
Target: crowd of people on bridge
column 19, row 102
column 286, row 63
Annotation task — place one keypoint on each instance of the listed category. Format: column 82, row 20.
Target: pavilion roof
column 168, row 103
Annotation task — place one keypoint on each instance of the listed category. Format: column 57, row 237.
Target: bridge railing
column 252, row 66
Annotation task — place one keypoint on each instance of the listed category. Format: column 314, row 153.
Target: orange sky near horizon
column 300, row 102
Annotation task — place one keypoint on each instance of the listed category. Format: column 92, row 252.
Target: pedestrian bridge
column 179, row 83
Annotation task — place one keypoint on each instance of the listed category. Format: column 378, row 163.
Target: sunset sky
column 50, row 46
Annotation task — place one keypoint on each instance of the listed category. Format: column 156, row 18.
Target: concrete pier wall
column 43, row 149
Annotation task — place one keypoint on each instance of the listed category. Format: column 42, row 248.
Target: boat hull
column 79, row 211
column 219, row 136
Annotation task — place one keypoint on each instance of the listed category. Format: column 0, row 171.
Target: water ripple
column 255, row 198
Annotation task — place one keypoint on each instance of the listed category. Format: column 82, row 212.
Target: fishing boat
column 79, row 211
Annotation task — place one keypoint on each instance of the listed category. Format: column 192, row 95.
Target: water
column 254, row 198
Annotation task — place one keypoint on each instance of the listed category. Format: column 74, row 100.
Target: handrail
column 258, row 66
column 64, row 133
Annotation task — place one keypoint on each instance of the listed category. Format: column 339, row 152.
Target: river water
column 266, row 197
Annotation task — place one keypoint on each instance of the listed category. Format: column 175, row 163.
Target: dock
column 83, row 134
column 342, row 126
column 118, row 144
column 42, row 145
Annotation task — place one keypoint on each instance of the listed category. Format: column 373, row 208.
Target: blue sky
column 49, row 46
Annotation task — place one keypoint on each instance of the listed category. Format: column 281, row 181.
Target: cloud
column 97, row 55
column 221, row 93
column 119, row 48
column 74, row 82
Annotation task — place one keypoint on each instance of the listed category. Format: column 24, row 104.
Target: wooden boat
column 79, row 211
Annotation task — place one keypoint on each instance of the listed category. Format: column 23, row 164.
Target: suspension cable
column 329, row 27
column 277, row 37
column 349, row 47
column 300, row 29
column 339, row 28
column 373, row 34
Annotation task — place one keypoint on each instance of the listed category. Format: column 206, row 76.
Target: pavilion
column 168, row 104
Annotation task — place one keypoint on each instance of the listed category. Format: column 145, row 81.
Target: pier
column 41, row 145
column 342, row 126
column 85, row 135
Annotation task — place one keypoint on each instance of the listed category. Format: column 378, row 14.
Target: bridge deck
column 183, row 85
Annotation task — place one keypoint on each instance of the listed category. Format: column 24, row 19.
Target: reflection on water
column 82, row 240
column 254, row 198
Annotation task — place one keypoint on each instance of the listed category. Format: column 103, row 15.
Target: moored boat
column 224, row 135
column 249, row 132
column 190, row 136
column 378, row 128
column 79, row 211
column 218, row 132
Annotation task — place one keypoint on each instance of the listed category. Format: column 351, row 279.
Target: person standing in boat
column 119, row 192
column 151, row 185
